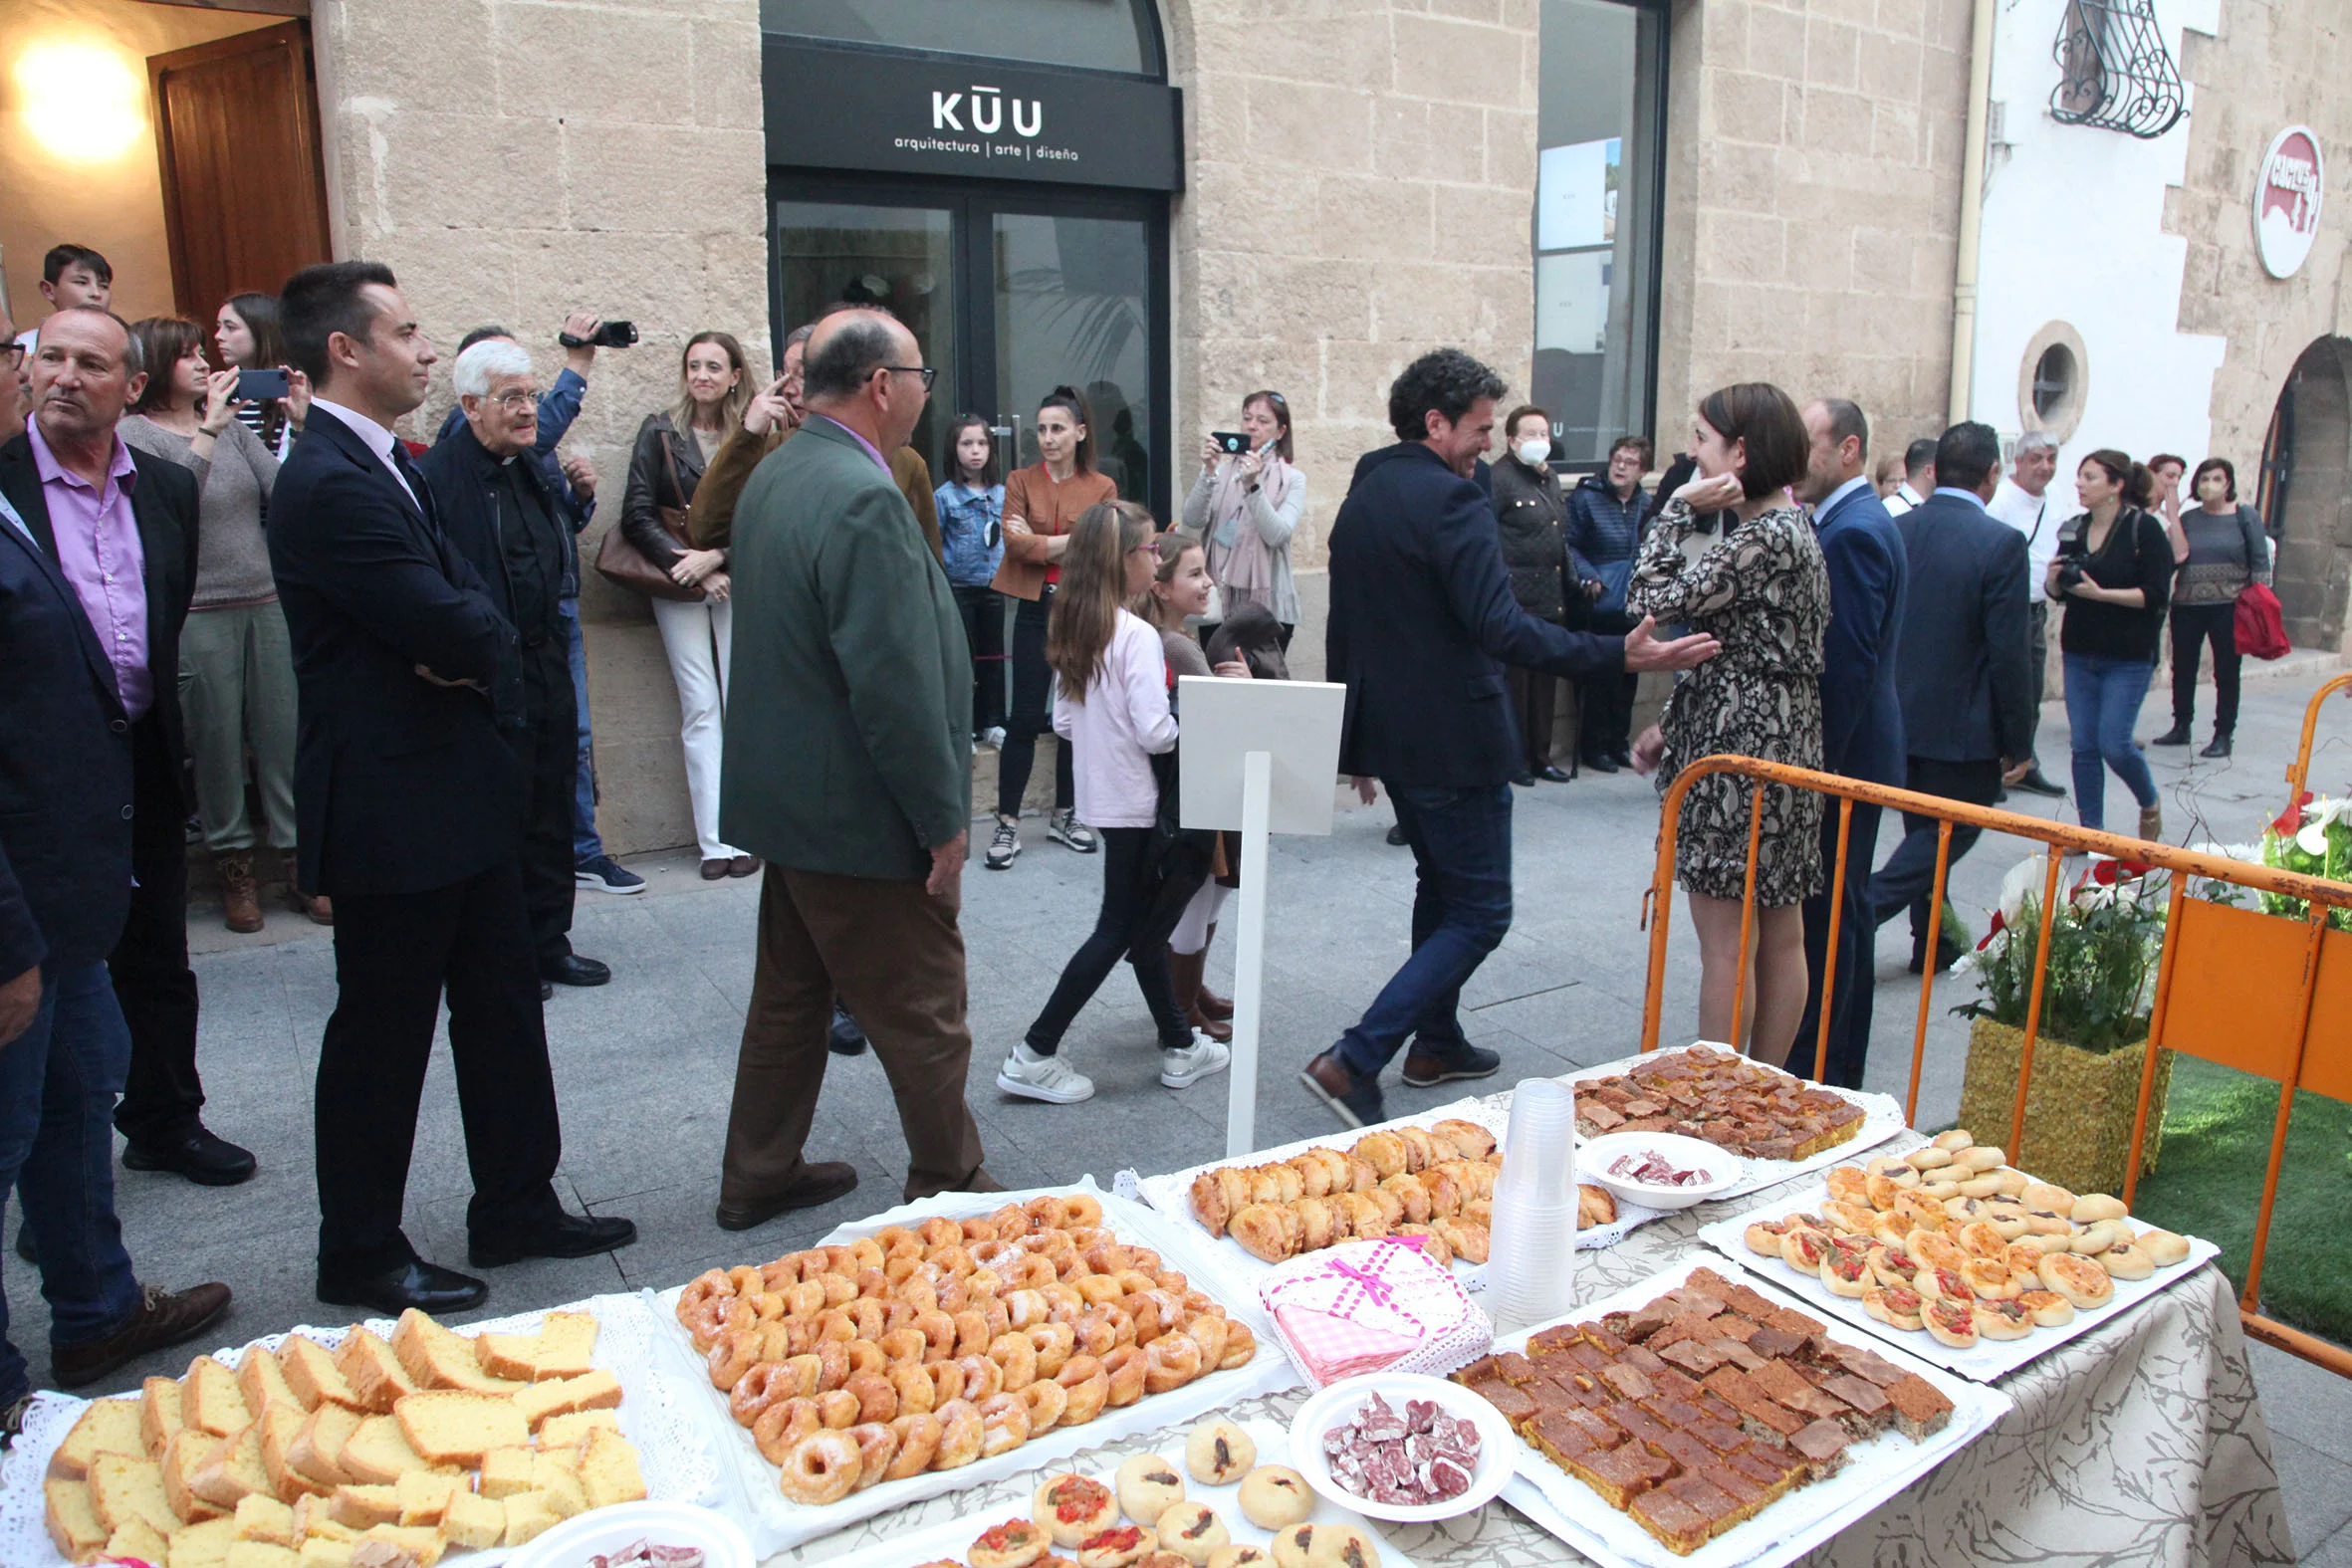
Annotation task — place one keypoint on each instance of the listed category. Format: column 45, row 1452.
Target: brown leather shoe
column 716, row 870
column 240, row 902
column 1212, row 1004
column 743, row 866
column 316, row 909
column 318, row 906
column 819, row 1184
column 163, row 1317
column 1184, row 974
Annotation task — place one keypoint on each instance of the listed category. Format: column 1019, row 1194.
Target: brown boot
column 1212, row 1004
column 1184, row 968
column 316, row 909
column 240, row 902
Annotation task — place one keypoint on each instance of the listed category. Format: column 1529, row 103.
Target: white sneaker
column 1003, row 846
column 993, row 736
column 1048, row 1079
column 1184, row 1067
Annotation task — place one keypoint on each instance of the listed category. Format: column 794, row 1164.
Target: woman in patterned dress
column 1752, row 576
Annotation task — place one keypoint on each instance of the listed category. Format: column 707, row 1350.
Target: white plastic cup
column 1532, row 1261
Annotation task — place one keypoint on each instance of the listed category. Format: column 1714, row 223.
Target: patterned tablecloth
column 2140, row 1442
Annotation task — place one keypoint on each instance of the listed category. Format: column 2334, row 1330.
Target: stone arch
column 2307, row 493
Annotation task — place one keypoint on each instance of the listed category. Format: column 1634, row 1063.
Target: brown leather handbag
column 624, row 565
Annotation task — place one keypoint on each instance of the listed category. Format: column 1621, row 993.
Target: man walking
column 411, row 808
column 122, row 526
column 1422, row 622
column 496, row 506
column 2025, row 503
column 1861, row 719
column 1960, row 666
column 847, row 771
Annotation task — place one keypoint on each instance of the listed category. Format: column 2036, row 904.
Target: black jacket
column 400, row 786
column 1961, row 666
column 163, row 504
column 649, row 487
column 1421, row 613
column 64, row 772
column 1531, row 513
column 465, row 479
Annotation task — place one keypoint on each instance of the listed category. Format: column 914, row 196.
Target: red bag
column 2261, row 629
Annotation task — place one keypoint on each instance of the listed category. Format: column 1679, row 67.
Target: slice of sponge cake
column 210, row 1400
column 109, row 1426
column 376, row 1375
column 313, row 1375
column 448, row 1427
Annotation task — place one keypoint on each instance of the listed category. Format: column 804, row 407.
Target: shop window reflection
column 1073, row 307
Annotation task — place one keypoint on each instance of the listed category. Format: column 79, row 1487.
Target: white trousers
column 699, row 638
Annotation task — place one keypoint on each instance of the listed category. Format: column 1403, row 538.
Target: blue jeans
column 58, row 1082
column 1460, row 842
column 2102, row 705
column 585, row 846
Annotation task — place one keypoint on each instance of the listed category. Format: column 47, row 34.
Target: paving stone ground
column 643, row 1066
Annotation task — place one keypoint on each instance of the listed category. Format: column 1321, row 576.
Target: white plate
column 1723, row 1169
column 1791, row 1525
column 1497, row 1444
column 1989, row 1357
column 572, row 1543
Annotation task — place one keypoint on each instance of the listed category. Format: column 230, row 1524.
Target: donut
column 877, row 1398
column 1241, row 1555
column 2049, row 1309
column 1148, row 1486
column 1170, row 1362
column 782, row 1425
column 912, row 1383
column 1016, row 1543
column 1218, row 1453
column 1192, row 1531
column 837, row 1409
column 1088, row 1388
column 2005, row 1319
column 2163, row 1247
column 1004, row 1424
column 1342, row 1546
column 2081, row 1281
column 1085, row 1209
column 961, row 1434
column 1275, row 1495
column 822, row 1468
column 983, row 1378
column 1241, row 1345
column 1209, row 1330
column 1952, row 1324
column 759, row 1389
column 1072, row 1508
column 918, row 1444
column 1119, row 1546
column 1128, row 1368
column 1046, row 1399
column 877, row 1448
column 1053, row 1344
column 947, row 1381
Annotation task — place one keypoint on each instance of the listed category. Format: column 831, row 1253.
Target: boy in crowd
column 72, row 275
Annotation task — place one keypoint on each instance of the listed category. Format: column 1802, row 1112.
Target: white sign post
column 1258, row 758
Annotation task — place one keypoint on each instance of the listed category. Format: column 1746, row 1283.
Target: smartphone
column 1231, row 442
column 258, row 387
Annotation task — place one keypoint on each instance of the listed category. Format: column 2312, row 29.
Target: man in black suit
column 122, row 526
column 411, row 803
column 1422, row 622
column 499, row 514
column 1968, row 699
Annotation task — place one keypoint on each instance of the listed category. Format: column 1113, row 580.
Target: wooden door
column 244, row 189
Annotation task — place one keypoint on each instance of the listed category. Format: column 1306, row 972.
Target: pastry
column 1594, row 1207
column 1191, row 1530
column 1935, row 1250
column 1763, row 1238
column 1846, row 1273
column 1803, row 1250
column 1274, row 1495
column 2079, row 1279
column 1121, row 1547
column 1952, row 1324
column 1943, row 1285
column 2049, row 1309
column 2163, row 1247
column 1148, row 1486
column 1342, row 1546
column 1218, row 1453
column 2097, row 1205
column 1293, row 1545
column 1898, row 1306
column 2130, row 1262
column 2043, row 1195
column 1241, row 1556
column 1928, row 1159
column 2009, row 1320
column 1991, row 1279
column 1072, row 1507
column 1016, row 1543
column 1953, row 1141
column 1849, row 1183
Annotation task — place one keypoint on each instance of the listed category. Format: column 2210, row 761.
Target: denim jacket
column 971, row 532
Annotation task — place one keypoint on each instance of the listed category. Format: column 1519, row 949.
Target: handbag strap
column 669, row 462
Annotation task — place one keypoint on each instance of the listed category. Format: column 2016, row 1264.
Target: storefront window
column 1090, row 35
column 1597, row 186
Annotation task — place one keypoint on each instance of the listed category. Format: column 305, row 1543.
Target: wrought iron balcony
column 2115, row 73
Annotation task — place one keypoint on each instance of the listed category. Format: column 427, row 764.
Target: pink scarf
column 1238, row 558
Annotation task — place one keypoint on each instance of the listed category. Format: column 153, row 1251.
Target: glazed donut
column 894, row 1239
column 840, row 1289
column 1096, row 1334
column 1025, row 1308
column 1046, row 1400
column 1209, row 1331
column 1170, row 1362
column 983, row 1378
column 1048, row 1212
column 864, row 1356
column 947, row 1381
column 878, row 1447
column 865, row 1314
column 822, row 1468
column 1010, row 1221
column 972, row 1231
column 864, row 1253
column 986, row 1253
column 833, row 1365
column 901, row 1269
column 837, row 1407
column 782, row 1425
column 1151, row 1312
column 938, row 1232
column 1084, row 1209
column 1004, row 1422
column 912, row 1383
column 1122, row 1324
column 939, row 1334
column 1099, row 1289
column 952, row 1296
column 953, row 1261
column 1017, row 1359
column 903, row 1344
column 710, row 1282
column 961, row 1434
column 1055, row 1344
column 918, row 1442
column 1036, row 1271
column 984, row 1284
column 920, row 1293
column 877, row 1396
column 1089, row 1387
column 972, row 1335
column 731, row 1356
column 745, row 1279
column 1128, row 1368
column 758, row 1389
column 834, row 1327
column 803, row 1372
column 1240, row 1345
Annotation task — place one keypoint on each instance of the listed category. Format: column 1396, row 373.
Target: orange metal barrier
column 2211, row 1000
column 2299, row 773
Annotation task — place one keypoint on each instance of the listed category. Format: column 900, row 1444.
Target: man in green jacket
column 847, row 769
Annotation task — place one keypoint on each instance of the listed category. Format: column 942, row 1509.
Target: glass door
column 1074, row 308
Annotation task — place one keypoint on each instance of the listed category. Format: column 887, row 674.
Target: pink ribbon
column 1375, row 1289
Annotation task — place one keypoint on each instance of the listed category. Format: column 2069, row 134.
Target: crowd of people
column 240, row 610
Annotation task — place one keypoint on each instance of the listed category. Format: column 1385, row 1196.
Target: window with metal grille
column 2114, row 70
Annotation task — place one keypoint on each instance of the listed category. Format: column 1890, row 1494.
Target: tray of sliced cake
column 1780, row 1125
column 408, row 1439
column 1967, row 1260
column 1632, row 1457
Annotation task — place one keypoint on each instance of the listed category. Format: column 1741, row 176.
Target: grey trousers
column 236, row 685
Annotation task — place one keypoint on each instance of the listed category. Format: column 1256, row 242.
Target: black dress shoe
column 1551, row 772
column 1396, row 836
column 24, row 1245
column 2178, row 734
column 573, row 970
column 2034, row 783
column 1622, row 757
column 428, row 1287
column 1525, row 780
column 844, row 1037
column 820, row 1183
column 1600, row 765
column 197, row 1154
column 566, row 1235
column 2219, row 748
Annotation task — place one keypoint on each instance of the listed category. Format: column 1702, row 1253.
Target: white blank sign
column 1296, row 721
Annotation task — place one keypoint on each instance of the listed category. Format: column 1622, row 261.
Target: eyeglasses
column 15, row 353
column 927, row 372
column 515, row 398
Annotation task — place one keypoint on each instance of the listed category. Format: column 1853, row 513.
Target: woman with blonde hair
column 1111, row 708
column 672, row 449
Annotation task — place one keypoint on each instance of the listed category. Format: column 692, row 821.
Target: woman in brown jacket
column 1041, row 503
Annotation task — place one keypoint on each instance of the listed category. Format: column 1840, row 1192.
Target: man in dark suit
column 411, row 803
column 66, row 803
column 495, row 505
column 1968, row 699
column 122, row 526
column 1861, row 719
column 1422, row 622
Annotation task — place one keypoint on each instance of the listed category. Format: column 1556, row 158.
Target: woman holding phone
column 1244, row 508
column 246, row 333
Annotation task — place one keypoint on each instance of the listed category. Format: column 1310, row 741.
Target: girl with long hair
column 971, row 506
column 1043, row 503
column 246, row 333
column 2114, row 573
column 1111, row 710
column 672, row 449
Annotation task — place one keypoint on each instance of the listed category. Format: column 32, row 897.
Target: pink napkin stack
column 1372, row 1307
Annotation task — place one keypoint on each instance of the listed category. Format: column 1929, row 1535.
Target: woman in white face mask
column 1531, row 510
column 1243, row 508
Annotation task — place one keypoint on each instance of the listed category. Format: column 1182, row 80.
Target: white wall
column 2073, row 231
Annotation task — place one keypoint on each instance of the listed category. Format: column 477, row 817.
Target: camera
column 608, row 334
column 2069, row 573
column 1230, row 442
column 258, row 387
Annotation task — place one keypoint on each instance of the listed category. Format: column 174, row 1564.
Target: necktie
column 415, row 482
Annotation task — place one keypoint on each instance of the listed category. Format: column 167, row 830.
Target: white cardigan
column 1124, row 722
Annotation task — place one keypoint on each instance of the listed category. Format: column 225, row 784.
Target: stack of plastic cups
column 1532, row 1262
